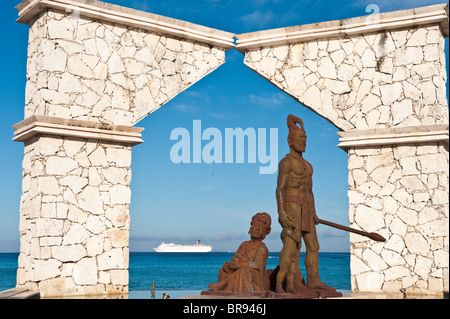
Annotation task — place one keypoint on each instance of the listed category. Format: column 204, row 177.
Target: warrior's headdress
column 292, row 122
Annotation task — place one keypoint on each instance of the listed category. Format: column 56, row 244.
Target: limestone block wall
column 367, row 81
column 400, row 192
column 87, row 69
column 74, row 216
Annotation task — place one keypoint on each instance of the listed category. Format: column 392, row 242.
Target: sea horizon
column 214, row 251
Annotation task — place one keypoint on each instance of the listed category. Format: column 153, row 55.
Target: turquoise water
column 191, row 271
column 8, row 269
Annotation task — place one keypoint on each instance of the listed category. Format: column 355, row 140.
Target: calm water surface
column 191, row 271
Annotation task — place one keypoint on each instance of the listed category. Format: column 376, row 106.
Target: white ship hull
column 176, row 248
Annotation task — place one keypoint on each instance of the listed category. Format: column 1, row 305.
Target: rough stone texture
column 74, row 221
column 372, row 81
column 375, row 81
column 85, row 69
column 400, row 192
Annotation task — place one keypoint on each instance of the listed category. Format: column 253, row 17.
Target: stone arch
column 94, row 70
column 381, row 80
column 357, row 74
column 108, row 64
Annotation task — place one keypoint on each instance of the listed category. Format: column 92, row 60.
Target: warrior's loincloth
column 307, row 210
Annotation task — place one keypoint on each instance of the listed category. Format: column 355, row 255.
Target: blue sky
column 211, row 202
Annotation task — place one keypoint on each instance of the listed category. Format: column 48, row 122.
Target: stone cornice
column 394, row 136
column 102, row 11
column 75, row 128
column 437, row 14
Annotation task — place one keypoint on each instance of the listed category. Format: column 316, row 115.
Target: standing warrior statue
column 297, row 216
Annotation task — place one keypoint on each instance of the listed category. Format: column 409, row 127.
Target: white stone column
column 399, row 188
column 74, row 213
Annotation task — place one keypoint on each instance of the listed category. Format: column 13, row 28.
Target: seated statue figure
column 246, row 271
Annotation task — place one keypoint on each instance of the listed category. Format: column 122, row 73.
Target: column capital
column 76, row 128
column 394, row 136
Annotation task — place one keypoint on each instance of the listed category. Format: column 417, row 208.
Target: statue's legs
column 290, row 253
column 312, row 259
column 287, row 264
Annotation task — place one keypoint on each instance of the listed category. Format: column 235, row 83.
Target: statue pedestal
column 326, row 293
column 298, row 295
column 259, row 294
column 307, row 294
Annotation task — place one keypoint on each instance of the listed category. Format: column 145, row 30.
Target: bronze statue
column 246, row 271
column 297, row 216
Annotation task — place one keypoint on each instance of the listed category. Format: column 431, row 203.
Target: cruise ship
column 176, row 248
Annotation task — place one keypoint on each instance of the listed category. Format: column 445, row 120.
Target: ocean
column 192, row 271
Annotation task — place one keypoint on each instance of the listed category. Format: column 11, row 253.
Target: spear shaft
column 373, row 236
